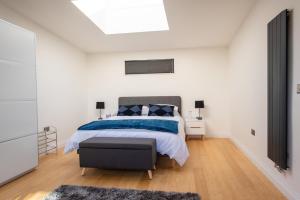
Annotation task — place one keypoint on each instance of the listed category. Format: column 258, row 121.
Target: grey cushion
column 161, row 110
column 118, row 143
column 130, row 110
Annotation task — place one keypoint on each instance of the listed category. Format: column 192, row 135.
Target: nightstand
column 194, row 128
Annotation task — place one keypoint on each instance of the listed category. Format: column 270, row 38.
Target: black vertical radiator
column 277, row 89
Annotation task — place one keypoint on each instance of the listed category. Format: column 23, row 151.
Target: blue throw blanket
column 169, row 126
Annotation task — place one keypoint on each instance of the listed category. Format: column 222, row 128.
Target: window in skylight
column 125, row 16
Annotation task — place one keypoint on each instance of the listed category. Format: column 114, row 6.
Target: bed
column 172, row 145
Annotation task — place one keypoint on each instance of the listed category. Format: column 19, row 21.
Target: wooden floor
column 216, row 169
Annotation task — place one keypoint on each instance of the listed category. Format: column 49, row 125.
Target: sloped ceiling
column 193, row 23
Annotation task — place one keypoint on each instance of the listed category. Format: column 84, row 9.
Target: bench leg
column 83, row 171
column 150, row 174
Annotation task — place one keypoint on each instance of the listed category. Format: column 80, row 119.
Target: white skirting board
column 280, row 183
column 218, row 135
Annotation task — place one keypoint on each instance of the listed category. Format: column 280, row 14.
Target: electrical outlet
column 298, row 88
column 47, row 128
column 252, row 132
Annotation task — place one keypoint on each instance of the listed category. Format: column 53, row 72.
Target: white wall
column 248, row 77
column 199, row 74
column 61, row 77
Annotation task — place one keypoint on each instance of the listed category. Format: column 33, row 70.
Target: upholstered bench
column 118, row 153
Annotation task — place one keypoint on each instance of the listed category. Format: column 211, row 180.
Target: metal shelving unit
column 47, row 141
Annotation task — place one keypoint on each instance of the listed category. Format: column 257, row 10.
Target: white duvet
column 169, row 144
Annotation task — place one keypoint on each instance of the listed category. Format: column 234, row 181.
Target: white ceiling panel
column 192, row 23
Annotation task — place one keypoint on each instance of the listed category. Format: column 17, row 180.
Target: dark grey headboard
column 175, row 100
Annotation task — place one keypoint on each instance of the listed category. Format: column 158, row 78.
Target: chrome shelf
column 47, row 141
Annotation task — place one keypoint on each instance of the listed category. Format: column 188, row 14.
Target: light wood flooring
column 216, row 169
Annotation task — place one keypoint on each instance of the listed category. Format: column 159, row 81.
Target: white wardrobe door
column 17, row 80
column 17, row 44
column 18, row 108
column 17, row 119
column 17, row 157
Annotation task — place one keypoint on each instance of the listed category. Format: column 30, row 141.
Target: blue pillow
column 130, row 110
column 161, row 110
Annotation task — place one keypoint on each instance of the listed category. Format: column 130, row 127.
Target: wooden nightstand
column 194, row 128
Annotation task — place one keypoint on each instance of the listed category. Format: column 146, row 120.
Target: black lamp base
column 100, row 116
column 199, row 116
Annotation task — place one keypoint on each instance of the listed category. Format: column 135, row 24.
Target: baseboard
column 61, row 144
column 280, row 184
column 212, row 135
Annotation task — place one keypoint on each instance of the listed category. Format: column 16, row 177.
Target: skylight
column 125, row 16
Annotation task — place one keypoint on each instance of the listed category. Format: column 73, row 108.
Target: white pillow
column 145, row 110
column 176, row 113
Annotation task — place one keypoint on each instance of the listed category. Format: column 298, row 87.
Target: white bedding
column 169, row 144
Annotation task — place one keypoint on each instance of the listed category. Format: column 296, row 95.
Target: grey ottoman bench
column 118, row 153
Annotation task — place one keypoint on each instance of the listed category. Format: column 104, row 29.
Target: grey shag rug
column 69, row 192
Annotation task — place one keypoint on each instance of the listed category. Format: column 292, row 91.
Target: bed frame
column 89, row 150
column 146, row 100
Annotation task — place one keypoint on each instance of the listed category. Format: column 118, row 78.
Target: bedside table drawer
column 195, row 131
column 195, row 124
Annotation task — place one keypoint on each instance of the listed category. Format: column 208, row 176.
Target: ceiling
column 193, row 23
